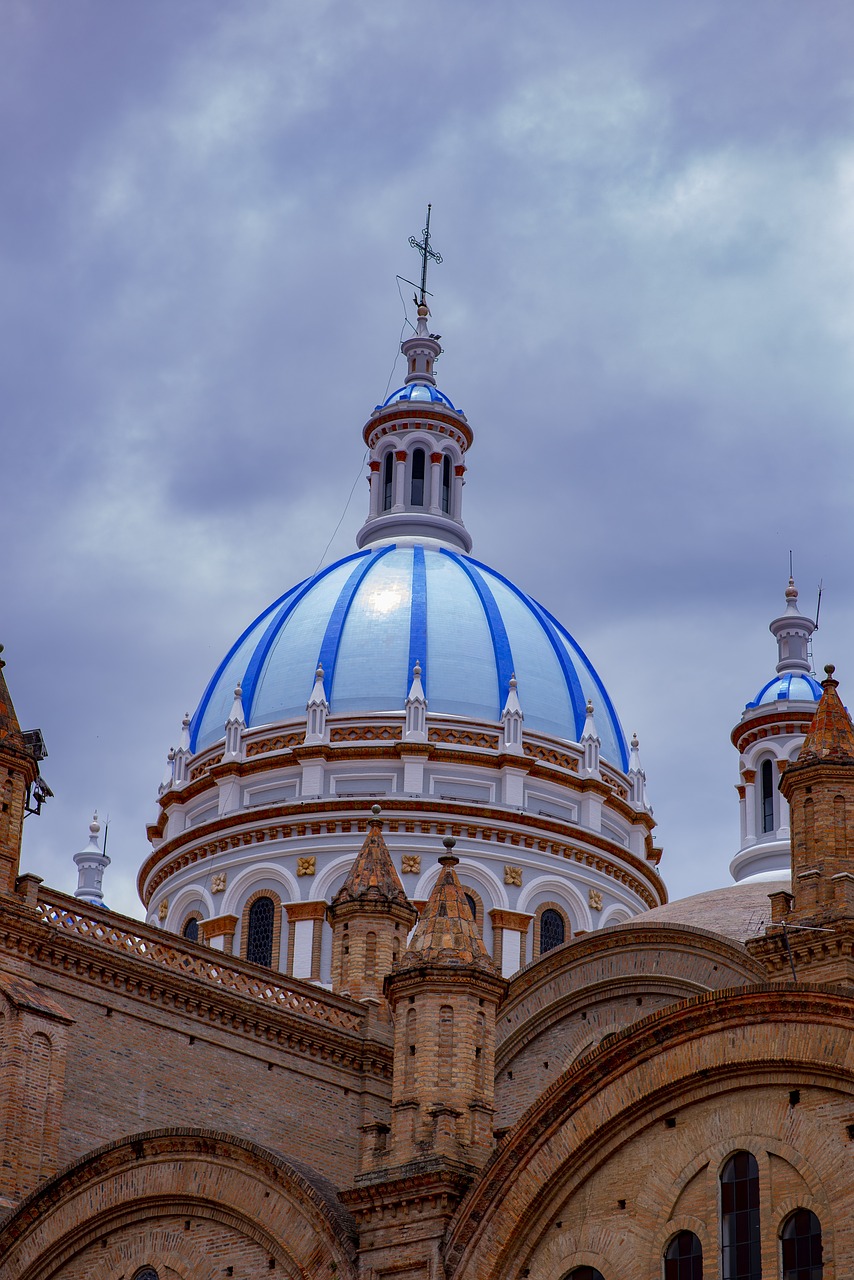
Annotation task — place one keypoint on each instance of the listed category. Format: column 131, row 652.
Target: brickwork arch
column 621, row 1124
column 136, row 1195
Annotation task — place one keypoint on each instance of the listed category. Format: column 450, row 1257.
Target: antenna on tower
column 791, row 568
column 815, row 628
column 423, row 247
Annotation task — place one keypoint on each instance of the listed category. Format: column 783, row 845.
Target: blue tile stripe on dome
column 497, row 631
column 331, row 643
column 418, row 617
column 262, row 649
column 199, row 714
column 603, row 692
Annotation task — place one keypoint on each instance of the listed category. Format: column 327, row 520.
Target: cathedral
column 410, row 1001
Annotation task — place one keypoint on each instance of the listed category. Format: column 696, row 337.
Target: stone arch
column 326, row 879
column 611, row 1106
column 257, row 876
column 486, row 883
column 284, row 1210
column 542, row 907
column 192, row 900
column 562, row 892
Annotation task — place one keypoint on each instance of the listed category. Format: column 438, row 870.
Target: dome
column 416, row 391
column 792, row 686
column 367, row 620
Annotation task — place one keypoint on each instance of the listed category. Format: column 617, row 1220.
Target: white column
column 399, row 480
column 750, row 812
column 375, row 488
column 435, row 483
column 457, row 493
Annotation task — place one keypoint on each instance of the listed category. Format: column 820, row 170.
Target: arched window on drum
column 683, row 1258
column 801, row 1246
column 259, row 938
column 191, row 929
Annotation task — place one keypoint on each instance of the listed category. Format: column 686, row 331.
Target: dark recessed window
column 767, row 796
column 472, row 905
column 585, row 1273
column 552, row 930
column 146, row 1273
column 740, row 1243
column 388, row 480
column 446, row 485
column 801, row 1236
column 683, row 1258
column 259, row 943
column 417, row 486
column 191, row 930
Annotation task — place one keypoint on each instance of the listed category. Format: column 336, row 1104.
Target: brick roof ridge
column 373, row 875
column 447, row 933
column 831, row 734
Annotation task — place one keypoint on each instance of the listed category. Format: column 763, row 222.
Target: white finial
column 591, row 743
column 91, row 863
column 637, row 778
column 234, row 726
column 415, row 729
column 185, row 732
column 512, row 720
column 317, row 709
column 181, row 757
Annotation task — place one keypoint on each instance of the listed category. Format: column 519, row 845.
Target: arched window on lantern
column 766, row 776
column 446, row 485
column 259, row 941
column 388, row 481
column 683, row 1258
column 801, row 1244
column 416, row 487
column 741, row 1251
column 191, row 929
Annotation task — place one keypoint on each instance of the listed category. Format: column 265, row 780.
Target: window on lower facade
column 259, row 941
column 552, row 930
column 585, row 1273
column 801, row 1241
column 740, row 1241
column 146, row 1273
column 683, row 1258
column 191, row 930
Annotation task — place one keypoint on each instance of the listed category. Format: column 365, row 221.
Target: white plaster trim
column 262, row 875
column 472, row 873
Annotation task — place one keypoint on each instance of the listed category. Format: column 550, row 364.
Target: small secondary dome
column 369, row 618
column 791, row 687
column 418, row 391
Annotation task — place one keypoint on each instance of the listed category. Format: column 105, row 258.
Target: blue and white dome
column 418, row 392
column 368, row 618
column 792, row 686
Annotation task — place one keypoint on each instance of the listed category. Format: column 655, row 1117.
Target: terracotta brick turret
column 444, row 994
column 18, row 771
column 370, row 917
column 819, row 787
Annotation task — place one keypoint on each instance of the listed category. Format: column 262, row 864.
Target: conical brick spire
column 447, row 933
column 831, row 734
column 10, row 730
column 372, row 876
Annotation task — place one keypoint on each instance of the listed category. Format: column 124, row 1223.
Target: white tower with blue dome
column 410, row 675
column 767, row 737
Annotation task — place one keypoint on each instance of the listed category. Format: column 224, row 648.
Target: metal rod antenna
column 791, row 570
column 427, row 250
column 818, row 602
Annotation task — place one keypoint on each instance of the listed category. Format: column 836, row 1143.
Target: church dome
column 792, row 686
column 416, row 391
column 367, row 619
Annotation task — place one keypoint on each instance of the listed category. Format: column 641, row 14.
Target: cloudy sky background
column 646, row 213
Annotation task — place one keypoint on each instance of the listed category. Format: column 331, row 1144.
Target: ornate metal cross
column 423, row 247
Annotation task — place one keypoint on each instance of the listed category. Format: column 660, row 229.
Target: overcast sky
column 646, row 213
